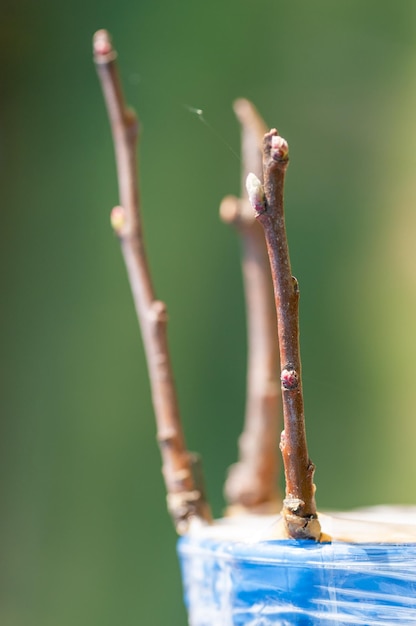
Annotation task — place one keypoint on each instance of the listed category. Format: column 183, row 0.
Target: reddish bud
column 102, row 43
column 280, row 148
column 289, row 379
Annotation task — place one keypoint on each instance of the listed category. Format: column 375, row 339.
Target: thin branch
column 252, row 482
column 185, row 495
column 299, row 508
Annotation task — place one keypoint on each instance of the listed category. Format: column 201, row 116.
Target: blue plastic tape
column 303, row 583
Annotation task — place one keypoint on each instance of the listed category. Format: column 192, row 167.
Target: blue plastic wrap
column 236, row 583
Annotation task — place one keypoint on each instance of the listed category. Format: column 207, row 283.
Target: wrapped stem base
column 248, row 581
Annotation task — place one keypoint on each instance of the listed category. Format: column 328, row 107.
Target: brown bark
column 299, row 509
column 185, row 494
column 252, row 482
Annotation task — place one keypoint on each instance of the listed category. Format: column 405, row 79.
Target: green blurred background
column 85, row 539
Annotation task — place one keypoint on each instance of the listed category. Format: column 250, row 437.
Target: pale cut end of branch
column 229, row 212
column 103, row 47
column 249, row 118
column 236, row 211
column 255, row 193
column 243, row 109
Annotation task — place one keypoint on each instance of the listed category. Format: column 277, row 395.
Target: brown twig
column 185, row 495
column 252, row 482
column 299, row 509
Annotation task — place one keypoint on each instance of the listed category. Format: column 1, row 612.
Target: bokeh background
column 85, row 539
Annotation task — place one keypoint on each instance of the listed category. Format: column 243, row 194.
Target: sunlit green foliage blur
column 85, row 539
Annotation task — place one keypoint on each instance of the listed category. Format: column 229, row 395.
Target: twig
column 185, row 495
column 299, row 509
column 252, row 482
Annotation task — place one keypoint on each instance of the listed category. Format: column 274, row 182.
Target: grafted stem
column 299, row 509
column 252, row 482
column 185, row 494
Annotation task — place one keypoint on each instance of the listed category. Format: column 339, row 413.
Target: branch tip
column 250, row 120
column 276, row 146
column 186, row 499
column 243, row 109
column 103, row 47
